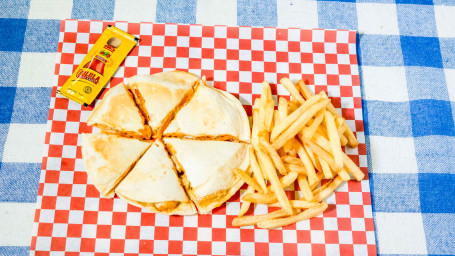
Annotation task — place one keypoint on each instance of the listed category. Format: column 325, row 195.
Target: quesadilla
column 153, row 184
column 206, row 169
column 161, row 95
column 108, row 158
column 211, row 114
column 117, row 113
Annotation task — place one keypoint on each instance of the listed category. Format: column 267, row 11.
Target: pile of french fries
column 302, row 140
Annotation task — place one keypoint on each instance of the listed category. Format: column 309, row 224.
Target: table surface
column 407, row 72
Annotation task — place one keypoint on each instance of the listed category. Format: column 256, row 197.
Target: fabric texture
column 407, row 76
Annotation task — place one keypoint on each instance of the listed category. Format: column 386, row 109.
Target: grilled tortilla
column 160, row 95
column 206, row 168
column 108, row 158
column 153, row 184
column 117, row 113
column 211, row 114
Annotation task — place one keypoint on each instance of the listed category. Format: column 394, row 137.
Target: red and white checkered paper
column 71, row 217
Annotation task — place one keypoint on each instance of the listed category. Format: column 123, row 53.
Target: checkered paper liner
column 71, row 217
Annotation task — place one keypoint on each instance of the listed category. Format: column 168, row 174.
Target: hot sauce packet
column 98, row 66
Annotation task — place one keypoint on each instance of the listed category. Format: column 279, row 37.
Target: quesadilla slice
column 108, row 158
column 206, row 169
column 211, row 114
column 161, row 95
column 117, row 113
column 153, row 184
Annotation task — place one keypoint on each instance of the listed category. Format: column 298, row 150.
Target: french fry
column 298, row 124
column 297, row 204
column 305, row 187
column 275, row 182
column 292, row 89
column 295, row 168
column 253, row 220
column 276, row 118
column 341, row 128
column 334, row 140
column 320, row 152
column 292, row 160
column 259, row 198
column 275, row 157
column 343, row 173
column 292, row 118
column 247, row 179
column 328, row 190
column 319, row 176
column 286, row 180
column 310, row 172
column 353, row 168
column 268, row 104
column 279, row 222
column 258, row 175
column 256, row 121
column 352, row 140
column 350, row 165
column 307, row 132
column 304, row 89
column 246, row 205
column 325, row 168
column 312, row 157
column 282, row 108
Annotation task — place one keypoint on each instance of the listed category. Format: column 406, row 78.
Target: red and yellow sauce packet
column 98, row 66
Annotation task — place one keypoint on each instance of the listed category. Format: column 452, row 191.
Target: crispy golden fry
column 295, row 168
column 252, row 220
column 297, row 204
column 292, row 89
column 304, row 187
column 341, row 128
column 275, row 157
column 312, row 157
column 307, row 162
column 320, row 152
column 276, row 118
column 298, row 124
column 269, row 169
column 247, row 179
column 292, row 160
column 325, row 168
column 292, row 106
column 282, row 108
column 343, row 173
column 256, row 123
column 334, row 140
column 279, row 222
column 286, row 180
column 268, row 104
column 292, row 118
column 246, row 205
column 328, row 190
column 304, row 89
column 307, row 132
column 319, row 176
column 259, row 198
column 352, row 140
column 257, row 171
column 353, row 168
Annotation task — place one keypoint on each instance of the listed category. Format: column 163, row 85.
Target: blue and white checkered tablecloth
column 407, row 69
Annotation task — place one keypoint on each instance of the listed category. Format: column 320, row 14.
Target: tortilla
column 206, row 169
column 160, row 95
column 153, row 184
column 211, row 114
column 108, row 158
column 117, row 113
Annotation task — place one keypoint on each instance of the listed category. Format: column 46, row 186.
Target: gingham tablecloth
column 407, row 70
